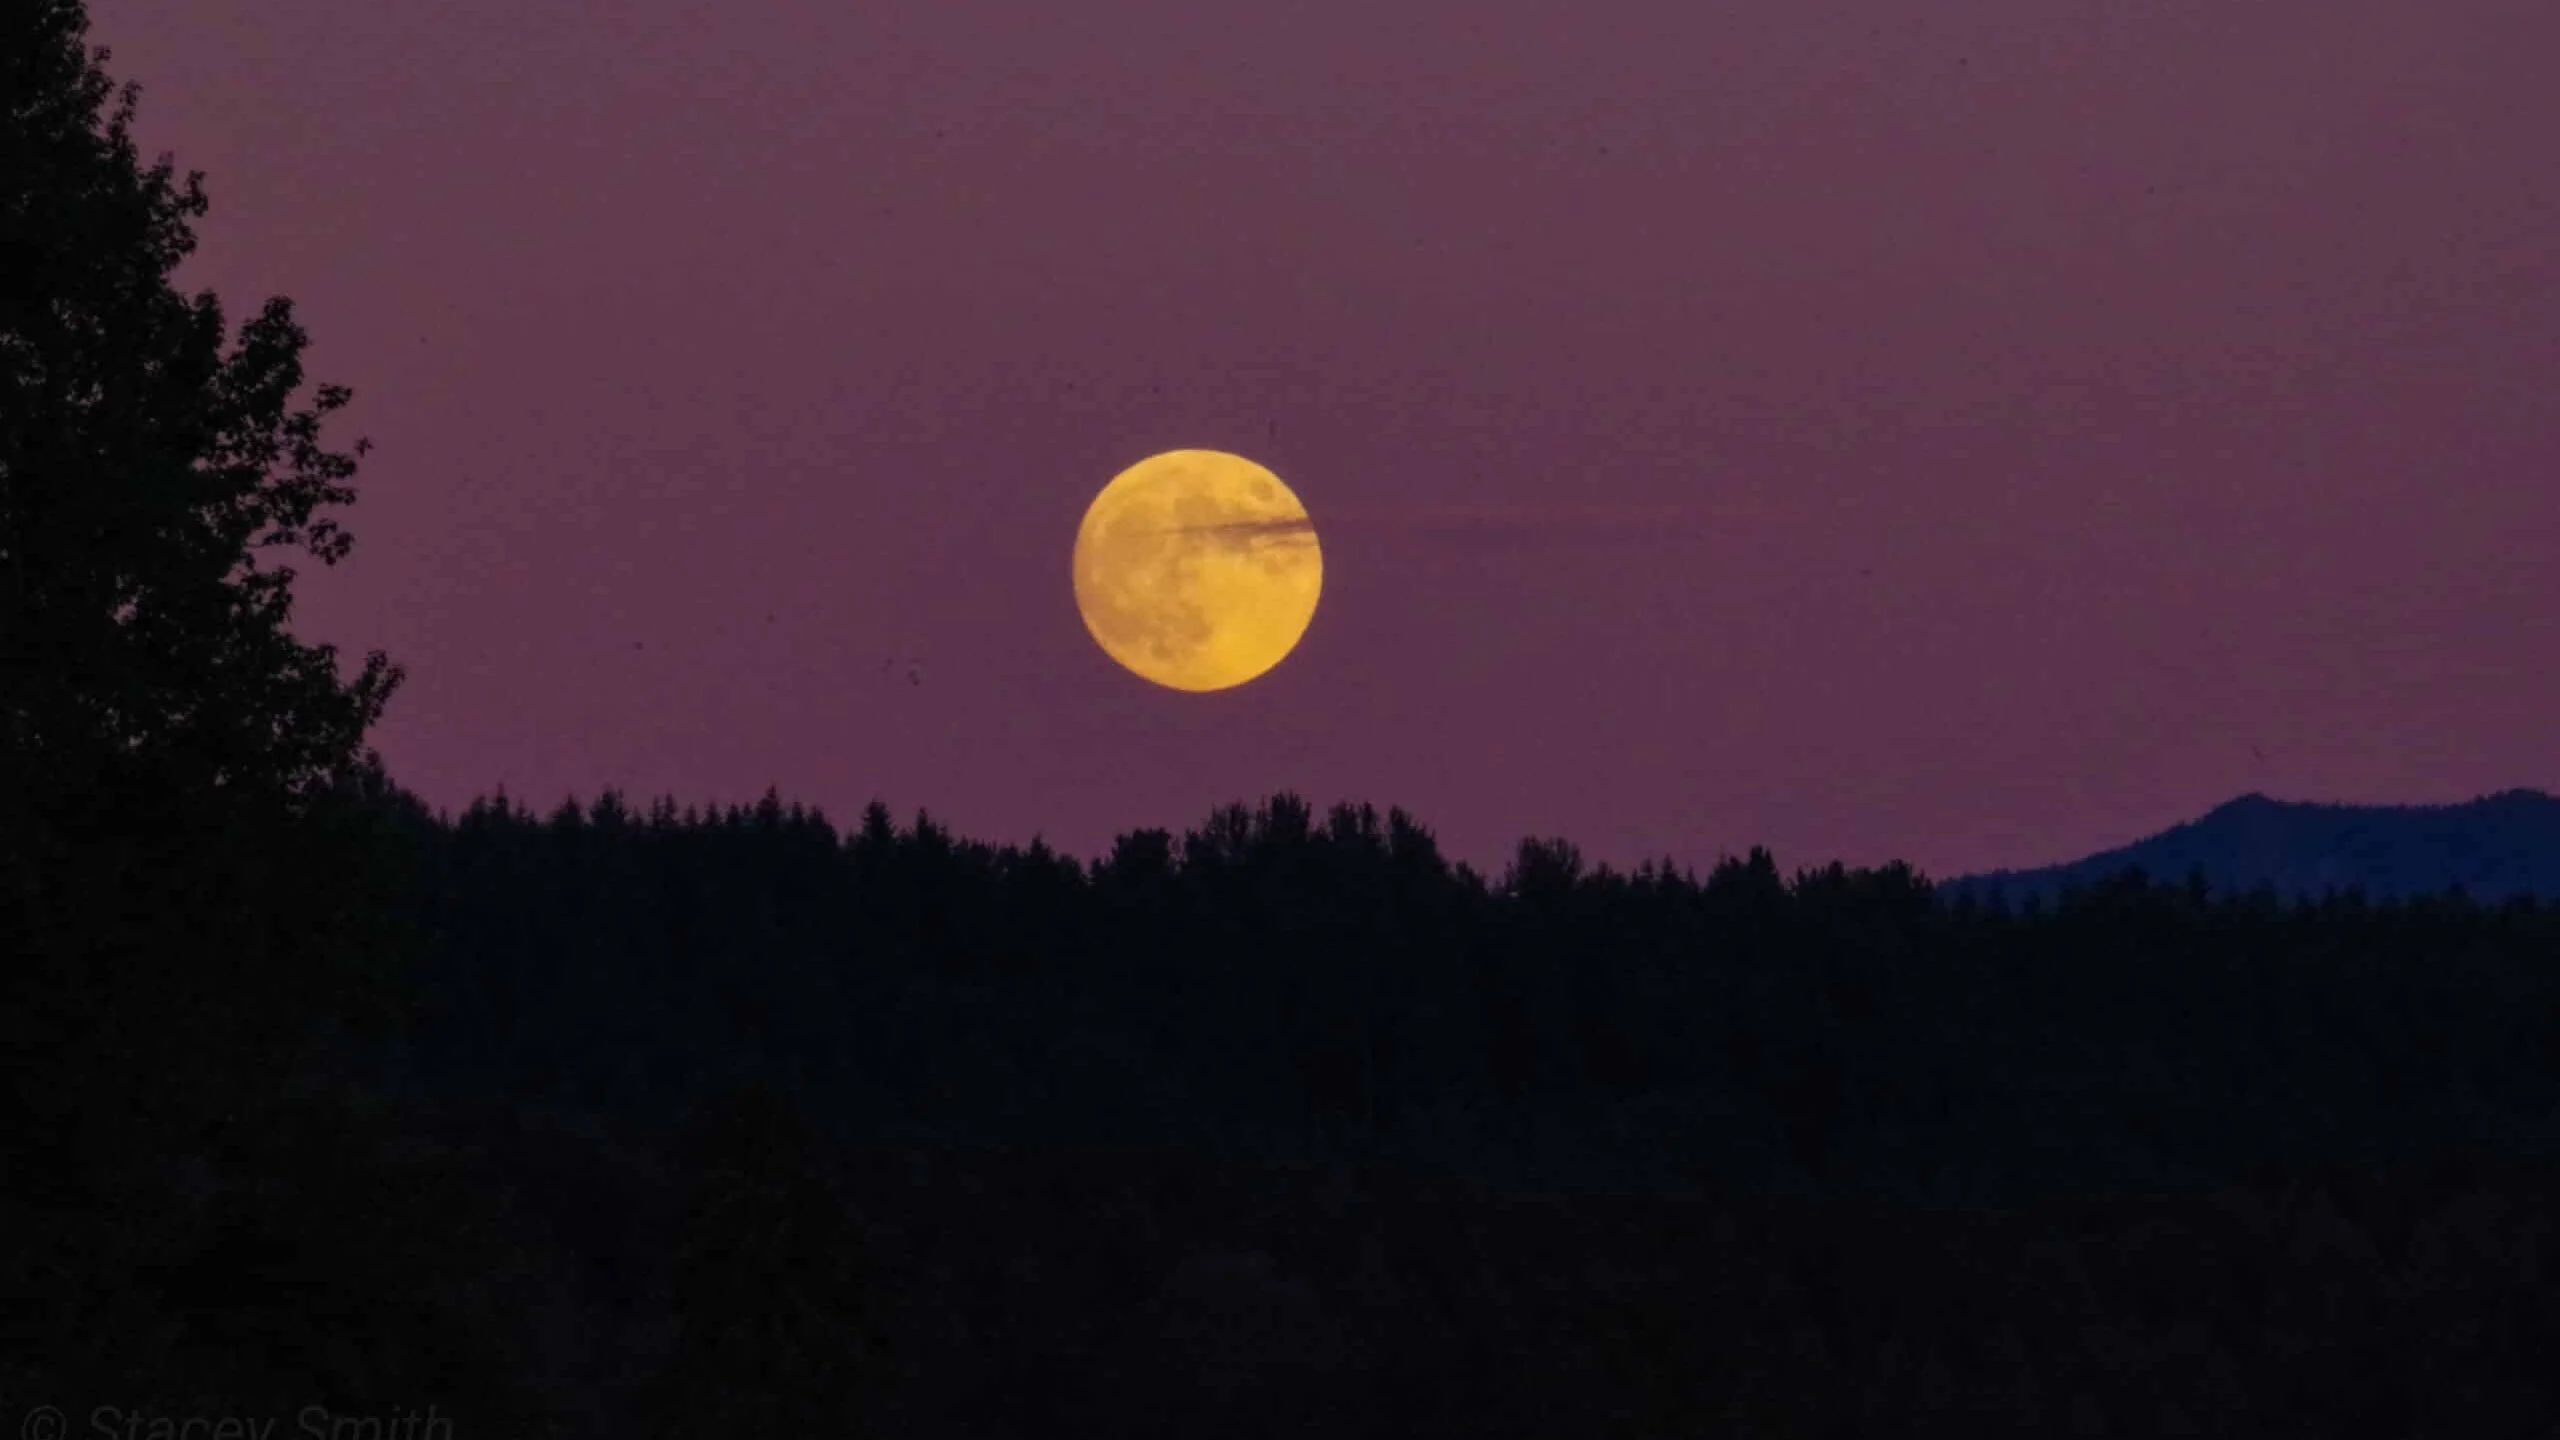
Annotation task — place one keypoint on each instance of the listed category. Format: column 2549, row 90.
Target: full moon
column 1197, row 569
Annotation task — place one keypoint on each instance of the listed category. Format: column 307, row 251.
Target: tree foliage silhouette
column 154, row 710
column 191, row 840
column 144, row 469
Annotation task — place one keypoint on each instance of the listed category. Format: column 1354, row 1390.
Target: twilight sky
column 1977, row 433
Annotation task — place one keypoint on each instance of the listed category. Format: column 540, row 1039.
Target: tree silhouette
column 198, row 858
column 143, row 469
column 160, row 731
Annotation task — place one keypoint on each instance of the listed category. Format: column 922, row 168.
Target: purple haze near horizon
column 1977, row 435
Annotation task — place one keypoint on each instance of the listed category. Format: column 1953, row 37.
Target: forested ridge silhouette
column 1290, row 986
column 615, row 1122
column 2149, row 1153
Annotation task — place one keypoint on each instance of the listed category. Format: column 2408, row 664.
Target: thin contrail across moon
column 1579, row 522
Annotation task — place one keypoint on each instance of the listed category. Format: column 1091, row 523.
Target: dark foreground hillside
column 1286, row 1126
column 1025, row 1291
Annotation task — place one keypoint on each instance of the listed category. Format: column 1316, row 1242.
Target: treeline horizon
column 1272, row 982
column 1287, row 1125
column 1991, row 890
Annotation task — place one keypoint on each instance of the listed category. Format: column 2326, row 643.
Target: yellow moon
column 1197, row 569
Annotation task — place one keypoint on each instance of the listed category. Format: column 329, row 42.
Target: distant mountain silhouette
column 2494, row 847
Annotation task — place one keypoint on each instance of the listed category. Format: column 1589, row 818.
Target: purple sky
column 1974, row 433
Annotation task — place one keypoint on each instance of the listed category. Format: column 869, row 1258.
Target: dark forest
column 330, row 1113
